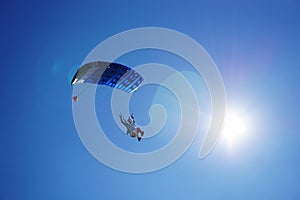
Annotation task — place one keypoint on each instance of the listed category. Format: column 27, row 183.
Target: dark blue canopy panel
column 111, row 74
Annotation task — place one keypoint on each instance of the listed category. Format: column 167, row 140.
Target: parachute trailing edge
column 111, row 74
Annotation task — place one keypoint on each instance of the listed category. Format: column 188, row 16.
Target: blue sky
column 256, row 46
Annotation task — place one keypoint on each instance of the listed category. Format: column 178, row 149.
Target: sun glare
column 234, row 128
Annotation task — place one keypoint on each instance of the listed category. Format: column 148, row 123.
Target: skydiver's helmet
column 129, row 120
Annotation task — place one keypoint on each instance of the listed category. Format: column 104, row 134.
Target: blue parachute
column 111, row 74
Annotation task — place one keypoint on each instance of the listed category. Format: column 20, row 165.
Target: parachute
column 106, row 73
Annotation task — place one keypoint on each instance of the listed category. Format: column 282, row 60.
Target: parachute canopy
column 111, row 74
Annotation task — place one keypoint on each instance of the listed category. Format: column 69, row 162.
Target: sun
column 234, row 128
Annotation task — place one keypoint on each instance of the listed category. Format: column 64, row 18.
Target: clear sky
column 256, row 47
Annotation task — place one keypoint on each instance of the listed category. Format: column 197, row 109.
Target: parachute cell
column 110, row 74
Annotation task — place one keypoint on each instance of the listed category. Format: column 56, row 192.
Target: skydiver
column 132, row 129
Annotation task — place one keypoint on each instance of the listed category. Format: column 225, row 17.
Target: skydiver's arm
column 123, row 120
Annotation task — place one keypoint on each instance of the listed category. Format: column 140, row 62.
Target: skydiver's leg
column 133, row 134
column 139, row 130
column 139, row 134
column 142, row 132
